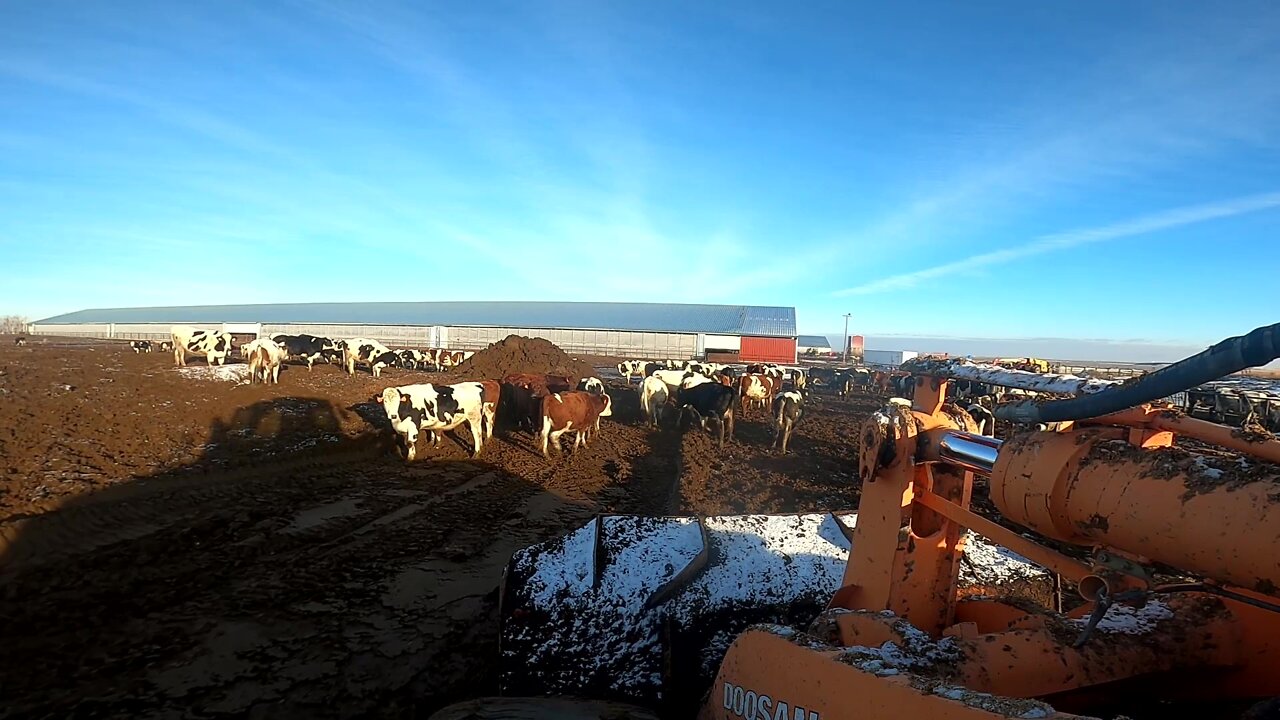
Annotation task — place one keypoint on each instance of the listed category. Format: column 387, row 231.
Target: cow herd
column 714, row 394
column 266, row 355
column 548, row 406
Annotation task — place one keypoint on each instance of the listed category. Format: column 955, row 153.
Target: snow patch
column 238, row 374
column 1130, row 620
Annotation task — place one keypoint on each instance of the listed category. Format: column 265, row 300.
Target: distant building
column 633, row 330
column 813, row 344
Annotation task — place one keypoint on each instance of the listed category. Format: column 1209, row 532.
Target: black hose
column 1229, row 356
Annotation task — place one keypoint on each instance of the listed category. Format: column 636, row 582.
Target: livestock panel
column 391, row 335
column 88, row 330
column 768, row 349
column 142, row 331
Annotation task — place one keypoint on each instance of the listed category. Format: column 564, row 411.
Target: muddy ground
column 184, row 547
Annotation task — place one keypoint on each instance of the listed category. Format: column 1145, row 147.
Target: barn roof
column 813, row 341
column 657, row 317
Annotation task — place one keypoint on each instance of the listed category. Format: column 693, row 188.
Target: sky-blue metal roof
column 813, row 341
column 658, row 317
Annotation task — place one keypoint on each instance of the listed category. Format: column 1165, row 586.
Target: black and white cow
column 787, row 411
column 592, row 385
column 411, row 359
column 140, row 346
column 711, row 403
column 20, row 341
column 627, row 368
column 215, row 345
column 166, row 346
column 370, row 352
column 435, row 408
column 308, row 348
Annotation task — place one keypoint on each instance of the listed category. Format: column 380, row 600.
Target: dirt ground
column 173, row 546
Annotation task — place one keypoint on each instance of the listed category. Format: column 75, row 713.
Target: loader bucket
column 643, row 609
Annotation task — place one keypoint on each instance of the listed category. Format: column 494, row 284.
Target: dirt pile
column 519, row 354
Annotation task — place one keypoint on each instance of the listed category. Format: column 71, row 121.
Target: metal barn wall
column 622, row 343
column 768, row 349
column 91, row 330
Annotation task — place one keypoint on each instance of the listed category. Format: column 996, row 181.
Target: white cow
column 653, row 397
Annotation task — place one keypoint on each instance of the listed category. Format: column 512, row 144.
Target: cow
column 903, row 385
column 215, row 345
column 711, row 403
column 822, row 375
column 591, row 385
column 166, row 346
column 576, row 412
column 653, row 396
column 20, row 341
column 411, row 359
column 627, row 368
column 140, row 346
column 845, row 383
column 674, row 378
column 308, row 348
column 265, row 357
column 984, row 417
column 756, row 389
column 522, row 395
column 370, row 352
column 436, row 408
column 798, row 379
column 787, row 410
column 446, row 359
column 880, row 381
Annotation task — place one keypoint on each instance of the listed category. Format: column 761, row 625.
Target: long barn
column 639, row 330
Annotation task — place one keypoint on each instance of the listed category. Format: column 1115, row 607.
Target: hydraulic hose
column 1229, row 356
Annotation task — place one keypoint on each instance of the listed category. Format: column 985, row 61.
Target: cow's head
column 391, row 399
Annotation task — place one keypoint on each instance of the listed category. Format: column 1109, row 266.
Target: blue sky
column 1087, row 170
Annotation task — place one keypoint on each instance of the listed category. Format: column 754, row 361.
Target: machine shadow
column 122, row 598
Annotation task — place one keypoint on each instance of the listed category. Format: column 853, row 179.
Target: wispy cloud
column 1147, row 105
column 1062, row 241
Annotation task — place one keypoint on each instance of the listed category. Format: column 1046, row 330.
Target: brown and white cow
column 575, row 412
column 265, row 357
column 757, row 389
column 522, row 395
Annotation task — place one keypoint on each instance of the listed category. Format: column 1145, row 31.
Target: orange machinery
column 1170, row 550
column 1175, row 556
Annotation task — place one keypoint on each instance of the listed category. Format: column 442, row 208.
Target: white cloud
column 1061, row 241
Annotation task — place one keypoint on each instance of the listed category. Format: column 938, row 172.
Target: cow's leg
column 410, row 443
column 719, row 421
column 729, row 417
column 477, row 433
column 546, row 437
